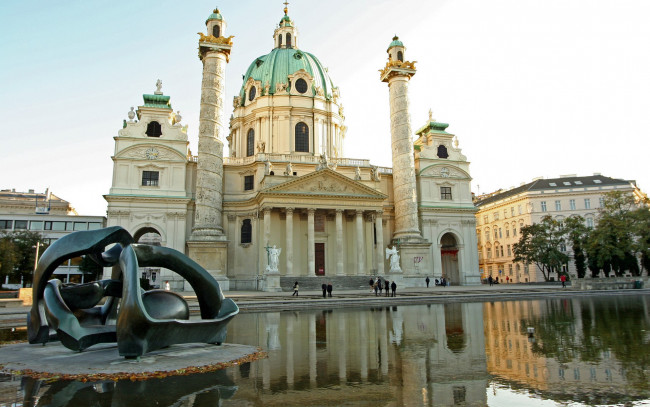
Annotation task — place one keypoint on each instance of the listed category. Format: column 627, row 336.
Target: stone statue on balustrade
column 394, row 260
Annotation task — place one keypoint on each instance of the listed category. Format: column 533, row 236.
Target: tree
column 540, row 244
column 577, row 233
column 88, row 266
column 642, row 232
column 615, row 242
column 8, row 256
column 22, row 248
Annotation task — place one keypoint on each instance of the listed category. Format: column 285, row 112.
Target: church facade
column 286, row 184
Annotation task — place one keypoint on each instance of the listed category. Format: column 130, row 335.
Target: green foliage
column 540, row 244
column 577, row 233
column 620, row 235
column 17, row 253
column 88, row 266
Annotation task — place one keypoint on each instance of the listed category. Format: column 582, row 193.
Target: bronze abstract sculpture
column 139, row 321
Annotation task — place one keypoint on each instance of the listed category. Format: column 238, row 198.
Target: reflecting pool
column 585, row 351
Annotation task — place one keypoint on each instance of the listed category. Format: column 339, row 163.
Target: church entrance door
column 449, row 257
column 319, row 254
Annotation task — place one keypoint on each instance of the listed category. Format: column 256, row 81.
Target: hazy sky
column 531, row 88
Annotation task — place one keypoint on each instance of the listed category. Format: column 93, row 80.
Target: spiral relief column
column 406, row 236
column 208, row 244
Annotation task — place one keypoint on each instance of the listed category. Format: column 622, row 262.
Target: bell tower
column 207, row 244
column 286, row 35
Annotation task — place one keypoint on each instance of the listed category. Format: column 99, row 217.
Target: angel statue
column 274, row 258
column 394, row 260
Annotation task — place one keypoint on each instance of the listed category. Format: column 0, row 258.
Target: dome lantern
column 286, row 35
column 396, row 50
column 216, row 25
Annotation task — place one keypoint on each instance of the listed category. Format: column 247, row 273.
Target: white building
column 287, row 183
column 50, row 216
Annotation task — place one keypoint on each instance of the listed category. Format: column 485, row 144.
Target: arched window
column 246, row 231
column 250, row 142
column 288, row 40
column 280, row 41
column 442, row 151
column 302, row 137
column 216, row 31
column 400, row 56
column 154, row 129
column 252, row 93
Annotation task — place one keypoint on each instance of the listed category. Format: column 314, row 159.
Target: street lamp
column 37, row 247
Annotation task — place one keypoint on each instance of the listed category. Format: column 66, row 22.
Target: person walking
column 379, row 285
column 490, row 281
column 563, row 280
column 507, row 279
column 329, row 289
column 387, row 287
column 167, row 286
column 372, row 283
column 295, row 289
column 324, row 287
column 393, row 287
column 375, row 288
column 426, row 280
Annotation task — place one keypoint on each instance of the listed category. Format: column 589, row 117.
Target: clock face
column 152, row 154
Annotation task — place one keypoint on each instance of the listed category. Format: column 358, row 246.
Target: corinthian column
column 289, row 243
column 311, row 259
column 339, row 242
column 361, row 257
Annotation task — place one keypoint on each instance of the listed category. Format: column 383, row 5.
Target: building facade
column 286, row 182
column 502, row 214
column 51, row 217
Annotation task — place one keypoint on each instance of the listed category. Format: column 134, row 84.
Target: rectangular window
column 249, row 180
column 587, row 203
column 485, row 219
column 6, row 224
column 572, row 204
column 543, row 206
column 445, row 193
column 500, row 233
column 36, row 225
column 507, row 232
column 510, row 254
column 590, row 222
column 20, row 224
column 496, row 215
column 80, row 226
column 512, row 211
column 514, row 230
column 489, row 254
column 496, row 234
column 505, row 213
column 601, row 202
column 149, row 178
column 501, row 251
column 56, row 226
column 509, row 266
column 487, row 235
column 519, row 209
column 558, row 206
column 94, row 225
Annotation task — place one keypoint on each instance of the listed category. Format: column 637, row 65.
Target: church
column 285, row 205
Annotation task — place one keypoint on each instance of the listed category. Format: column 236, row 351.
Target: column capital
column 359, row 212
column 232, row 217
column 311, row 211
column 340, row 211
column 266, row 209
column 380, row 213
column 290, row 211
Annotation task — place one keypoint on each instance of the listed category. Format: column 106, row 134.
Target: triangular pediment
column 325, row 183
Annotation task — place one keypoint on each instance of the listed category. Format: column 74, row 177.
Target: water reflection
column 589, row 350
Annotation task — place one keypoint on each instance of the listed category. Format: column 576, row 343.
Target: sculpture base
column 212, row 256
column 102, row 362
column 271, row 283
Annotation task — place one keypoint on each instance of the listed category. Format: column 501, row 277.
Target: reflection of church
column 286, row 181
column 425, row 355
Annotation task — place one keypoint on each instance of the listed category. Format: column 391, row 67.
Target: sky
column 531, row 88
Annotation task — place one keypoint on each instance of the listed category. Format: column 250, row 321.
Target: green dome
column 214, row 16
column 396, row 43
column 276, row 66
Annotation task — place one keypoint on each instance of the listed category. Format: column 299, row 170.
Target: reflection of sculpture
column 143, row 322
column 394, row 259
column 274, row 258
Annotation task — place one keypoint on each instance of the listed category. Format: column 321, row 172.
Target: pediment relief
column 325, row 183
column 444, row 171
column 151, row 152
